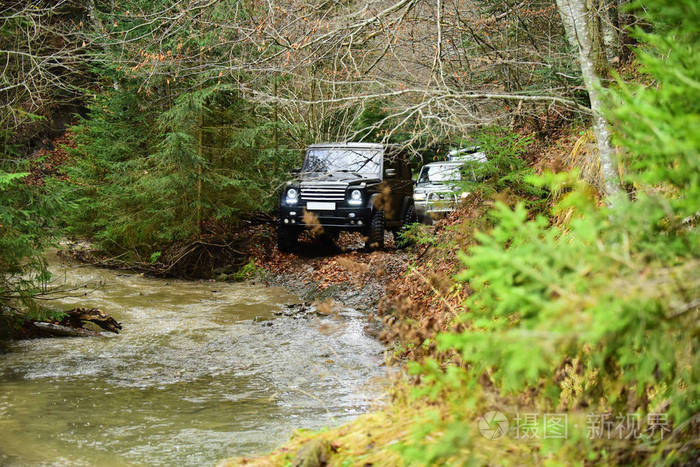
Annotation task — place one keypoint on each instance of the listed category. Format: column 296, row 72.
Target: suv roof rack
column 347, row 145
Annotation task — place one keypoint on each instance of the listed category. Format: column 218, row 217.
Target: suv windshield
column 360, row 161
column 440, row 173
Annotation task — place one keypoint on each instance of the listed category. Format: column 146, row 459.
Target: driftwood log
column 78, row 316
column 71, row 325
column 42, row 329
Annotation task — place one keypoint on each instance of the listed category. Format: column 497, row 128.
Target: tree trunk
column 595, row 9
column 577, row 23
column 607, row 13
column 200, row 150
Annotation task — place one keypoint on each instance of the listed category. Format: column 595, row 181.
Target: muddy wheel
column 375, row 233
column 286, row 239
column 410, row 216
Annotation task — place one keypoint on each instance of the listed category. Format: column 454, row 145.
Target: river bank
column 334, row 274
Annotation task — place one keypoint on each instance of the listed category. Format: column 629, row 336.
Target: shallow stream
column 201, row 371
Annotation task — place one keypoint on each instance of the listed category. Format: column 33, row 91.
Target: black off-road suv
column 348, row 186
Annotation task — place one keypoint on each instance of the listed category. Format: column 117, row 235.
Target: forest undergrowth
column 548, row 325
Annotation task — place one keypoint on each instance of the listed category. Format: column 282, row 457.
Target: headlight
column 419, row 196
column 355, row 197
column 464, row 194
column 292, row 196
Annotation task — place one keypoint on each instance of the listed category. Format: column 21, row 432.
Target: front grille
column 323, row 191
column 442, row 197
column 441, row 202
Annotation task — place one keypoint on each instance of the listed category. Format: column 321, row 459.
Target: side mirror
column 390, row 172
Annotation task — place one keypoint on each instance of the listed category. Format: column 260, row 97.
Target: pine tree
column 594, row 307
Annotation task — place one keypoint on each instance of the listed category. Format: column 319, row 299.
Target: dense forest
column 149, row 128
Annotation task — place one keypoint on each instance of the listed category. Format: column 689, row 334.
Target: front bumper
column 430, row 207
column 341, row 218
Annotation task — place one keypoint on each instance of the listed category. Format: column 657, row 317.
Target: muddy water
column 201, row 371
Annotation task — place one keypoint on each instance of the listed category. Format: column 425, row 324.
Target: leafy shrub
column 28, row 224
column 506, row 167
column 593, row 308
column 246, row 271
column 416, row 234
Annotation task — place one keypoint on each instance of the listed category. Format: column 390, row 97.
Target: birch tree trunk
column 576, row 23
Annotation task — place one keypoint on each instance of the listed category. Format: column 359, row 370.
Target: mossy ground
column 370, row 439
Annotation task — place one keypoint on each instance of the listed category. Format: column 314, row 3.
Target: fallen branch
column 77, row 317
column 71, row 325
column 56, row 330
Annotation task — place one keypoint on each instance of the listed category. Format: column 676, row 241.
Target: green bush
column 506, row 167
column 592, row 310
column 28, row 224
column 246, row 271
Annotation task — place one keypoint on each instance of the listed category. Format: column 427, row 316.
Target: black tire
column 375, row 231
column 330, row 236
column 409, row 217
column 287, row 239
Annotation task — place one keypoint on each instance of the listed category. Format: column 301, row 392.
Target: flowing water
column 200, row 372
